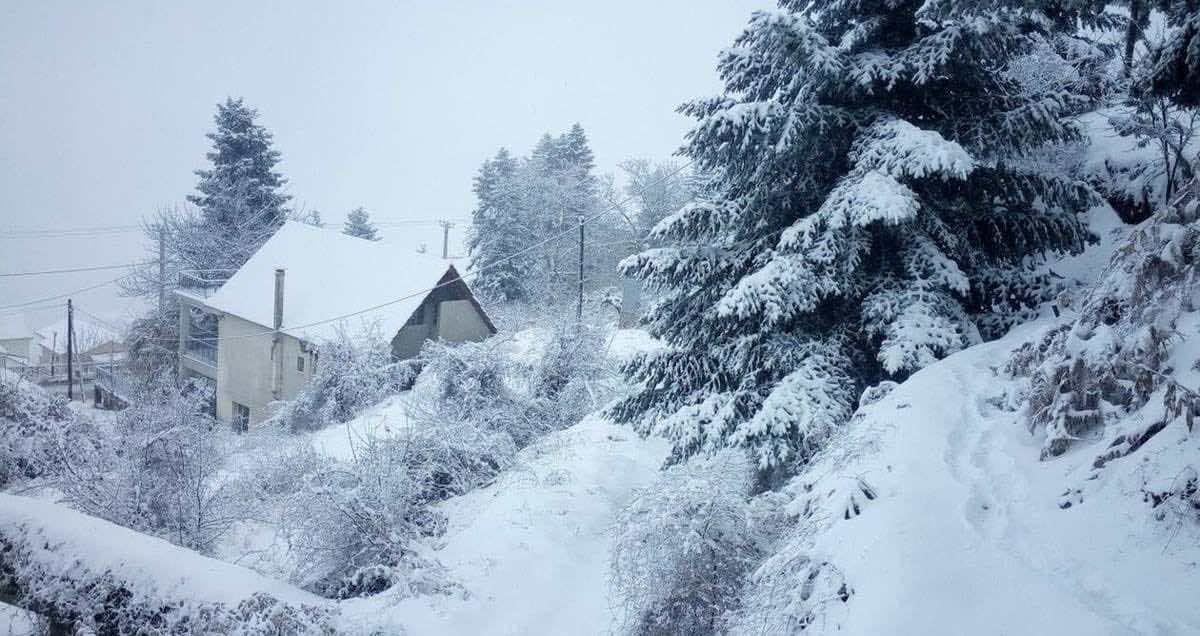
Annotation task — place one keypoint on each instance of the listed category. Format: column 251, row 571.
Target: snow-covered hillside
column 934, row 511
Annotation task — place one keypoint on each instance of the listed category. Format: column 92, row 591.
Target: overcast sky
column 389, row 105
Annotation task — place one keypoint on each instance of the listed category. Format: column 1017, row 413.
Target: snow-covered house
column 255, row 337
column 19, row 342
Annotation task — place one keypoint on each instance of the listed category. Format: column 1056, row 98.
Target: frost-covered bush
column 1118, row 353
column 352, row 372
column 484, row 385
column 684, row 546
column 158, row 470
column 31, row 423
column 364, row 526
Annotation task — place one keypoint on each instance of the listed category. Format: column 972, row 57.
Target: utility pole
column 70, row 348
column 579, row 307
column 446, row 225
column 53, row 351
column 162, row 271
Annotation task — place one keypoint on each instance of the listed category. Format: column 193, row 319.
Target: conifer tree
column 240, row 197
column 499, row 231
column 872, row 202
column 1174, row 70
column 358, row 224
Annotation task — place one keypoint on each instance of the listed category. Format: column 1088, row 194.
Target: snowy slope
column 530, row 551
column 962, row 531
column 62, row 540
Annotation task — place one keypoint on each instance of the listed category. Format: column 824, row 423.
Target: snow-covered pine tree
column 580, row 184
column 559, row 186
column 358, row 224
column 499, row 231
column 1175, row 68
column 241, row 198
column 866, row 155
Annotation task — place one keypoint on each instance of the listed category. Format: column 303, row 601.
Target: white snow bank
column 75, row 546
column 935, row 511
column 531, row 550
column 624, row 344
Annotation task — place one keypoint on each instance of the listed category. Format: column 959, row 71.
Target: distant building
column 19, row 343
column 90, row 339
column 254, row 335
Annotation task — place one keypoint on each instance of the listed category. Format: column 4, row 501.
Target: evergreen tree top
column 242, row 180
column 358, row 224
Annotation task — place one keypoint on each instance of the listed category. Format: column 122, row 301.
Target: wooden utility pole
column 162, row 272
column 53, row 351
column 70, row 348
column 446, row 225
column 579, row 306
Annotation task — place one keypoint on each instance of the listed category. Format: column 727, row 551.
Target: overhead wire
column 67, row 294
column 73, row 270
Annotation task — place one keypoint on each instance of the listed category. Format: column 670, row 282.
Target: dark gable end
column 422, row 324
column 457, row 287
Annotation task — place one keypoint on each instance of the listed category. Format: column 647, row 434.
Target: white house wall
column 245, row 368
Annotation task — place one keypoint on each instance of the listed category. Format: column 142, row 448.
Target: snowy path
column 532, row 550
column 969, row 537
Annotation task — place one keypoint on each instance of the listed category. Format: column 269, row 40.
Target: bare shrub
column 158, row 471
column 685, row 545
column 353, row 372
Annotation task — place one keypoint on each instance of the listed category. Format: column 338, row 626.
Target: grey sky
column 104, row 106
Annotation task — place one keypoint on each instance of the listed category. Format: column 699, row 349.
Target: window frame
column 241, row 417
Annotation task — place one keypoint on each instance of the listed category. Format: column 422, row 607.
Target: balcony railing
column 112, row 379
column 203, row 349
column 203, row 281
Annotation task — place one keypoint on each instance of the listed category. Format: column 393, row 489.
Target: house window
column 300, row 364
column 241, row 417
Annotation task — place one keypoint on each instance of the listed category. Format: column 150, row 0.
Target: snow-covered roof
column 88, row 334
column 14, row 327
column 329, row 274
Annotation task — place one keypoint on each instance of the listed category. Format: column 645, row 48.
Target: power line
column 68, row 294
column 72, row 270
column 99, row 230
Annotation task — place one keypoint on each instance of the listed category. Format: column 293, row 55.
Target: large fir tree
column 240, row 197
column 873, row 206
column 499, row 231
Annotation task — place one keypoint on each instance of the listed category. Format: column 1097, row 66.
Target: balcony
column 202, row 348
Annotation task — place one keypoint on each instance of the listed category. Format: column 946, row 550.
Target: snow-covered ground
column 966, row 532
column 531, row 551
